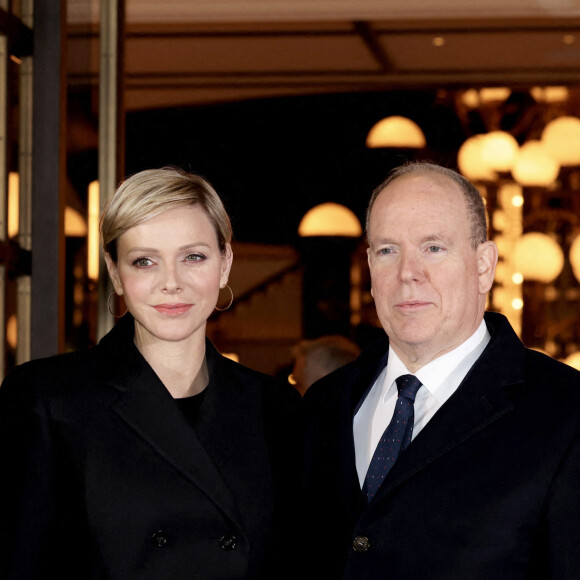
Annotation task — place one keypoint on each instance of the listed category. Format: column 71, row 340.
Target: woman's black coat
column 103, row 477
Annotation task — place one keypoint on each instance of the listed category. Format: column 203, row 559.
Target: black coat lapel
column 147, row 407
column 480, row 400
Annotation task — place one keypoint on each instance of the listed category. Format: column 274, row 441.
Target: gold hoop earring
column 111, row 310
column 229, row 303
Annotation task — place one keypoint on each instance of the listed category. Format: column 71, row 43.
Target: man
column 480, row 477
column 315, row 358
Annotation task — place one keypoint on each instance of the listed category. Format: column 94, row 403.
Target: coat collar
column 481, row 399
column 146, row 406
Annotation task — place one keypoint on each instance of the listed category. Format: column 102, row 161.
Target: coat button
column 361, row 544
column 228, row 542
column 159, row 538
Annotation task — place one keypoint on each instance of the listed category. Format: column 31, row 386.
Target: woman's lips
column 172, row 309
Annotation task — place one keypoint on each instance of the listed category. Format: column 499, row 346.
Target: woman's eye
column 195, row 257
column 142, row 262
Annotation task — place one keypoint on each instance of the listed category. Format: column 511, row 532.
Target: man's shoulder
column 357, row 373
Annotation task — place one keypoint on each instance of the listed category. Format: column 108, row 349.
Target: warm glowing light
column 517, row 278
column 573, row 360
column 13, row 204
column 518, row 200
column 470, row 98
column 12, row 331
column 494, row 94
column 93, row 231
column 74, row 223
column 568, row 39
column 499, row 150
column 550, row 94
column 330, row 219
column 517, row 303
column 562, row 140
column 538, row 257
column 535, row 165
column 438, row 41
column 396, row 131
column 470, row 160
column 574, row 256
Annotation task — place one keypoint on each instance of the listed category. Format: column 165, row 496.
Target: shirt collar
column 442, row 375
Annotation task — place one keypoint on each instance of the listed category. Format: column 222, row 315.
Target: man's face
column 428, row 283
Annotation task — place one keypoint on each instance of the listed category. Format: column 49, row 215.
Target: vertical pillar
column 48, row 178
column 111, row 126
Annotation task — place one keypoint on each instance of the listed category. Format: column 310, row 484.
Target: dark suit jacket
column 489, row 489
column 102, row 476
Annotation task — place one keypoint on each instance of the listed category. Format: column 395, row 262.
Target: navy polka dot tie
column 396, row 437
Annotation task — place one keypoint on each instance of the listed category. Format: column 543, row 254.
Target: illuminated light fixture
column 12, row 331
column 93, row 231
column 550, row 94
column 499, row 150
column 568, row 39
column 574, row 256
column 538, row 257
column 13, row 204
column 74, row 223
column 535, row 165
column 573, row 360
column 438, row 41
column 471, row 163
column 562, row 139
column 494, row 94
column 330, row 219
column 396, row 131
column 470, row 98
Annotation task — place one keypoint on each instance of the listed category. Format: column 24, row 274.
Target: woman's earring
column 111, row 310
column 229, row 303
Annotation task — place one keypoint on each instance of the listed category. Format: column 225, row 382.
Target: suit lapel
column 147, row 407
column 480, row 400
column 366, row 370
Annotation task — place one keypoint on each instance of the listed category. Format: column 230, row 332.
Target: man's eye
column 434, row 249
column 386, row 251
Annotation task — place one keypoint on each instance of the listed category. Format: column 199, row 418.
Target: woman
column 150, row 456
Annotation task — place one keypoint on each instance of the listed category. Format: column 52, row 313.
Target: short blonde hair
column 153, row 191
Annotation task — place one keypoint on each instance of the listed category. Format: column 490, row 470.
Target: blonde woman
column 150, row 456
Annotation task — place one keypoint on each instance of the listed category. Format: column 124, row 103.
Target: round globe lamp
column 499, row 150
column 538, row 257
column 330, row 219
column 396, row 131
column 470, row 160
column 534, row 166
column 574, row 256
column 562, row 139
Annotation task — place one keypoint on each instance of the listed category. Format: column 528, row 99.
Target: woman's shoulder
column 58, row 370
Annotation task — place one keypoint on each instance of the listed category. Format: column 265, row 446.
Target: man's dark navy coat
column 489, row 489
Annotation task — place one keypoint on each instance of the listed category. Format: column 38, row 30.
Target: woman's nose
column 171, row 284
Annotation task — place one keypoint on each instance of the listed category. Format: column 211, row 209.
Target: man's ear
column 114, row 274
column 487, row 256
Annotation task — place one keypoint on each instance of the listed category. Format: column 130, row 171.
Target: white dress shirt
column 440, row 379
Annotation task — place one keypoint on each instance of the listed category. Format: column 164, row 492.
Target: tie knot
column 408, row 385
